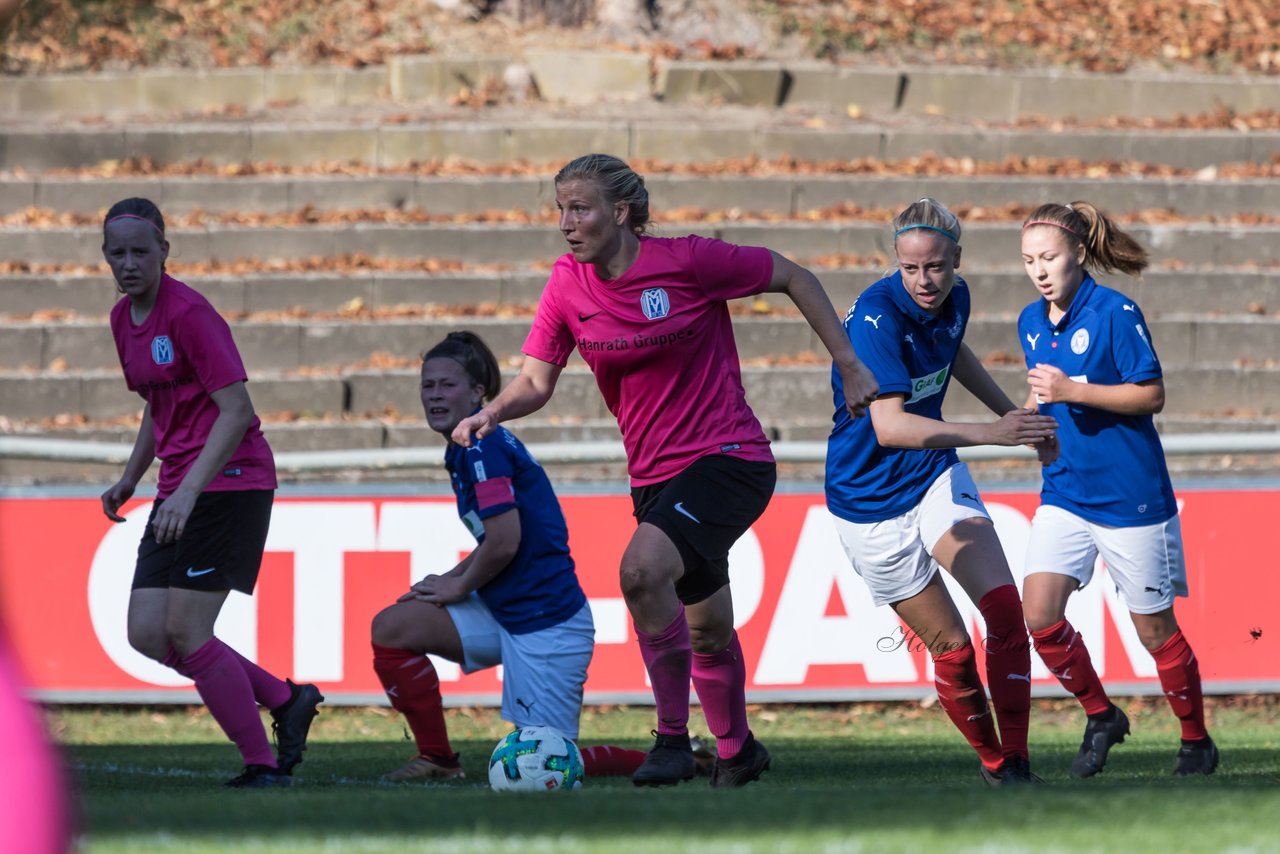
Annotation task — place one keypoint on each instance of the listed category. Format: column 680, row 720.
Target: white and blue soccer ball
column 535, row 759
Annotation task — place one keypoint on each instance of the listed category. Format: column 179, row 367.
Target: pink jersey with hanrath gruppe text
column 660, row 342
column 174, row 359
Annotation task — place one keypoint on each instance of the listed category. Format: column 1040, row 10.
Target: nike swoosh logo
column 680, row 509
column 583, row 318
column 192, row 572
column 1020, row 677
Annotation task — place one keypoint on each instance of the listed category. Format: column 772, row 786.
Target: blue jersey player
column 904, row 504
column 1093, row 366
column 515, row 600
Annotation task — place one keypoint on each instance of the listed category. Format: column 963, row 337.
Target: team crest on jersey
column 1080, row 341
column 162, row 350
column 655, row 303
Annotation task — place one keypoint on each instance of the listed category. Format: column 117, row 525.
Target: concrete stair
column 333, row 366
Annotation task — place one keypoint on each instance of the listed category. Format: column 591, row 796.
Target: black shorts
column 220, row 547
column 704, row 510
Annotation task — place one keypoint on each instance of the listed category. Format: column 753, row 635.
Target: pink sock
column 225, row 689
column 720, row 678
column 268, row 691
column 669, row 659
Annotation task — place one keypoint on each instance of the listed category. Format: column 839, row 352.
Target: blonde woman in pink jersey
column 650, row 317
column 208, row 525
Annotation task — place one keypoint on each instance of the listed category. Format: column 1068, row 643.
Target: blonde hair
column 1106, row 246
column 929, row 214
column 616, row 181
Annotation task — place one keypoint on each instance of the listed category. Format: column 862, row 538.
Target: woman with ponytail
column 208, row 525
column 514, row 600
column 1093, row 367
column 905, row 507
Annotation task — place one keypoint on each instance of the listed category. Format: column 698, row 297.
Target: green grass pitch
column 847, row 778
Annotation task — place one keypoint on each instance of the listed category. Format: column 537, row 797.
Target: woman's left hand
column 438, row 590
column 1050, row 384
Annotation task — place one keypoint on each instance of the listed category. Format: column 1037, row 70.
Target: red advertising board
column 805, row 620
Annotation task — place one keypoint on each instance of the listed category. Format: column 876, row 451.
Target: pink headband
column 1070, row 231
column 139, row 218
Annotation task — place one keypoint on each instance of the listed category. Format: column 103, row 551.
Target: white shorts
column 542, row 672
column 1146, row 562
column 895, row 556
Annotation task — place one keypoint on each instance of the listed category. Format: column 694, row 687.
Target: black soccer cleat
column 744, row 767
column 260, row 777
column 291, row 722
column 1101, row 733
column 668, row 763
column 1198, row 757
column 1015, row 770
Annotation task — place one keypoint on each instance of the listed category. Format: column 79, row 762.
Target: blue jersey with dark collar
column 910, row 351
column 1111, row 469
column 539, row 587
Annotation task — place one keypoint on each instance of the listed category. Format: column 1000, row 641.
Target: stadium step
column 985, row 244
column 674, row 138
column 596, row 76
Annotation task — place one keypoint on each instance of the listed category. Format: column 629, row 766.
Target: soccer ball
column 535, row 759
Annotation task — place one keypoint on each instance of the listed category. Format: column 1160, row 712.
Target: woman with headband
column 904, row 504
column 208, row 525
column 1093, row 367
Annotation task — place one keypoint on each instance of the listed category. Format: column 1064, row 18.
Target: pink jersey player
column 208, row 525
column 649, row 317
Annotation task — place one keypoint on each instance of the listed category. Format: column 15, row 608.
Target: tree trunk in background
column 8, row 11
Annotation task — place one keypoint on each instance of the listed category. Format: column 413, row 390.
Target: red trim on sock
column 1180, row 678
column 1063, row 651
column 961, row 695
column 1008, row 666
column 413, row 686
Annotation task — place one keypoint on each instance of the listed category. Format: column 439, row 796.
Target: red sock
column 1180, row 679
column 1008, row 666
column 609, row 760
column 960, row 692
column 226, row 692
column 413, row 687
column 1064, row 653
column 720, row 678
column 669, row 659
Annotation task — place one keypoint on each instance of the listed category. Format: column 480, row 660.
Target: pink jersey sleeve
column 218, row 362
column 727, row 271
column 550, row 339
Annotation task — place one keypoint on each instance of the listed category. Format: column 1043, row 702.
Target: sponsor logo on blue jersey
column 162, row 350
column 655, row 303
column 928, row 385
